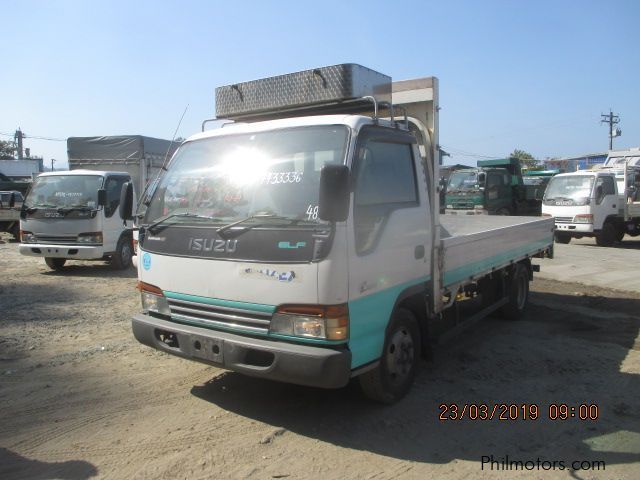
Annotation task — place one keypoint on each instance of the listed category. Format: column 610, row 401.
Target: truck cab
column 305, row 244
column 495, row 187
column 588, row 204
column 73, row 215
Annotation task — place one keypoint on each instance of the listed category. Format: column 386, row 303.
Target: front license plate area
column 207, row 348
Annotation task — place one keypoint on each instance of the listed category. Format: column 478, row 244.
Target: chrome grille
column 564, row 219
column 218, row 316
column 57, row 239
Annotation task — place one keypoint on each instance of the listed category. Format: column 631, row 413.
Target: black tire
column 620, row 233
column 15, row 231
column 393, row 377
column 518, row 293
column 55, row 263
column 562, row 238
column 503, row 211
column 121, row 259
column 607, row 235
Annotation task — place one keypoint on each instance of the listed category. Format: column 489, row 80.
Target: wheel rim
column 400, row 356
column 125, row 256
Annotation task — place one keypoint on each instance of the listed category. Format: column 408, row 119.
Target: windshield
column 463, row 181
column 230, row 178
column 61, row 191
column 574, row 187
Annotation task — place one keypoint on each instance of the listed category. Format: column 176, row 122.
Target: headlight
column 27, row 237
column 584, row 218
column 312, row 321
column 449, row 206
column 153, row 300
column 90, row 237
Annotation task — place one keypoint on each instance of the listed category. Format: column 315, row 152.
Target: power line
column 37, row 137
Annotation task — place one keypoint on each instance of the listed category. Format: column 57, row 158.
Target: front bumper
column 78, row 252
column 274, row 360
column 577, row 228
column 475, row 211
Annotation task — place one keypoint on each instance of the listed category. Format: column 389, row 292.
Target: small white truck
column 304, row 243
column 603, row 203
column 73, row 215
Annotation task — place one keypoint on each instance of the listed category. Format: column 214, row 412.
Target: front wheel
column 393, row 377
column 518, row 293
column 606, row 236
column 562, row 238
column 121, row 259
column 15, row 231
column 55, row 263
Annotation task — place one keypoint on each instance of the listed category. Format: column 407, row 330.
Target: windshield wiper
column 221, row 231
column 181, row 215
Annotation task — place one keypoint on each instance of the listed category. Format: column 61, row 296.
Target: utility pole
column 17, row 137
column 53, row 160
column 612, row 120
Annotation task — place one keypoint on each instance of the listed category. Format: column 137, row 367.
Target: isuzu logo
column 212, row 245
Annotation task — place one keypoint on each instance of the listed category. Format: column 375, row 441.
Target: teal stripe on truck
column 483, row 266
column 368, row 319
column 256, row 307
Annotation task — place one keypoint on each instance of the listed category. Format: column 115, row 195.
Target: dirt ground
column 82, row 399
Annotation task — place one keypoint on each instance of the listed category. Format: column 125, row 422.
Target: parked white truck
column 305, row 244
column 72, row 215
column 603, row 203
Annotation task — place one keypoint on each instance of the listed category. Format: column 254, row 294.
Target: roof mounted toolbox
column 334, row 89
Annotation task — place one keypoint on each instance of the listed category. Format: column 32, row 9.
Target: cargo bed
column 475, row 245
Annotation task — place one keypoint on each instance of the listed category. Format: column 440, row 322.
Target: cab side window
column 113, row 186
column 604, row 187
column 385, row 181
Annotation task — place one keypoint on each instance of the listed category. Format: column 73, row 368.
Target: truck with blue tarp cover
column 302, row 242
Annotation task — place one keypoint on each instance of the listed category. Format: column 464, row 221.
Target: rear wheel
column 393, row 377
column 562, row 238
column 121, row 259
column 55, row 263
column 518, row 285
column 503, row 211
column 607, row 235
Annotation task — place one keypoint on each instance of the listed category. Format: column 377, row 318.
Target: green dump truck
column 494, row 187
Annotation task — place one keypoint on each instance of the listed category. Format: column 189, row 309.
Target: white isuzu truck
column 73, row 215
column 603, row 203
column 303, row 243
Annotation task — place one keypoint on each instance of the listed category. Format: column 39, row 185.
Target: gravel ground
column 82, row 399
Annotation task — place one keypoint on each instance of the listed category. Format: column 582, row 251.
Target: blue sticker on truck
column 289, row 246
column 146, row 261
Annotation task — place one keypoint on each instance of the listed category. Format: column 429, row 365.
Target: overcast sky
column 531, row 75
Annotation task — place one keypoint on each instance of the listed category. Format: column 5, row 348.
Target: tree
column 7, row 150
column 526, row 159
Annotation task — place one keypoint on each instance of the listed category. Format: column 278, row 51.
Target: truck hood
column 250, row 282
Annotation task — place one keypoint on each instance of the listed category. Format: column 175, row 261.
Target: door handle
column 418, row 253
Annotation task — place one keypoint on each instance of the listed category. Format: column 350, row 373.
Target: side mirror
column 126, row 201
column 12, row 200
column 482, row 178
column 102, row 197
column 333, row 204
